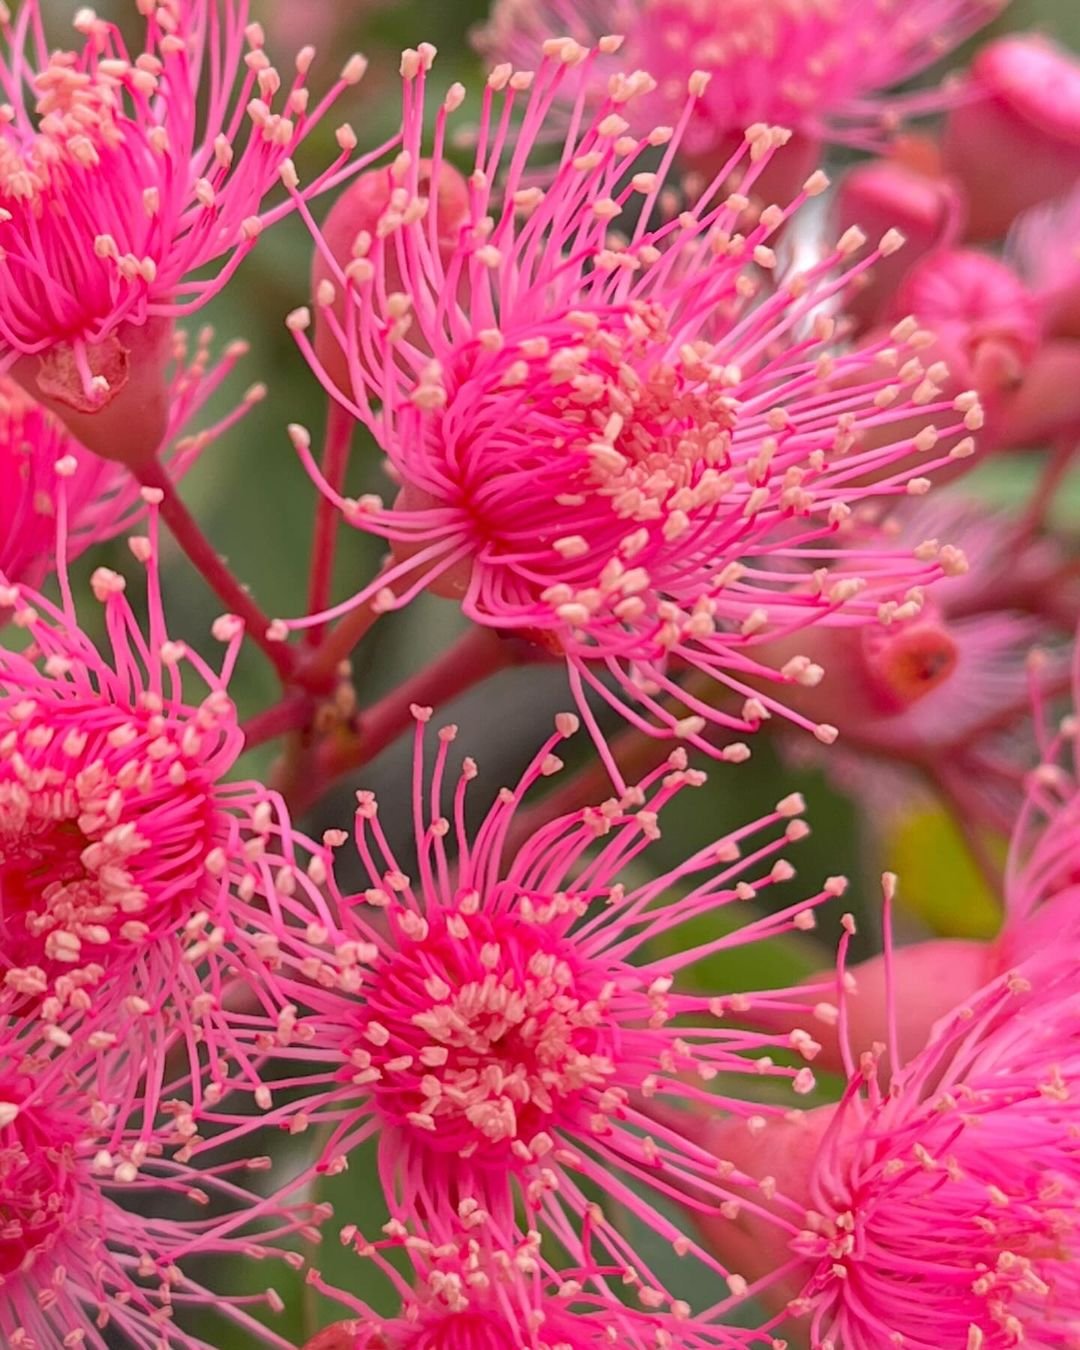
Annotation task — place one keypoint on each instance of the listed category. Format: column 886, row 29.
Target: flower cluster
column 535, row 1038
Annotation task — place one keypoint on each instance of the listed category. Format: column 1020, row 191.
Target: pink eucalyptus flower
column 130, row 865
column 942, row 1209
column 920, row 982
column 85, row 1256
column 103, row 499
column 462, row 1293
column 823, row 69
column 497, row 1022
column 948, row 695
column 619, row 445
column 123, row 179
column 1038, row 397
column 1016, row 141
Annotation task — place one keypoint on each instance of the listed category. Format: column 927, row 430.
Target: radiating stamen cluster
column 510, row 1039
column 116, row 189
column 820, row 67
column 623, row 445
column 945, row 1211
column 38, row 1193
column 499, row 1024
column 107, row 820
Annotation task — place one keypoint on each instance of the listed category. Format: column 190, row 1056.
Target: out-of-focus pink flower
column 1044, row 246
column 88, row 1251
column 1045, row 408
column 317, row 23
column 102, row 498
column 947, row 1207
column 464, row 1292
column 886, row 194
column 1042, row 884
column 989, row 692
column 943, row 1207
column 1016, row 141
column 496, row 1024
column 981, row 329
column 130, row 864
column 986, row 321
column 920, row 687
column 122, row 180
column 821, row 70
column 620, row 445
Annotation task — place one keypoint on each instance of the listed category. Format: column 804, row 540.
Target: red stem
column 1055, row 469
column 319, row 670
column 202, row 554
column 290, row 714
column 477, row 655
column 335, row 462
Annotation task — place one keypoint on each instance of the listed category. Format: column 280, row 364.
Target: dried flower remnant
column 169, row 154
column 621, row 447
column 823, row 68
column 81, row 1172
column 102, row 499
column 496, row 1025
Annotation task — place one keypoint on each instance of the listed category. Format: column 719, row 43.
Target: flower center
column 482, row 1033
column 461, row 1331
column 105, row 828
column 76, row 116
column 602, row 409
column 909, row 663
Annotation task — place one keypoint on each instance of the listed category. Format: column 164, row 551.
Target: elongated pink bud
column 1018, row 143
column 347, row 233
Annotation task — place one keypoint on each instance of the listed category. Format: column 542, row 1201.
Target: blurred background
column 256, row 504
